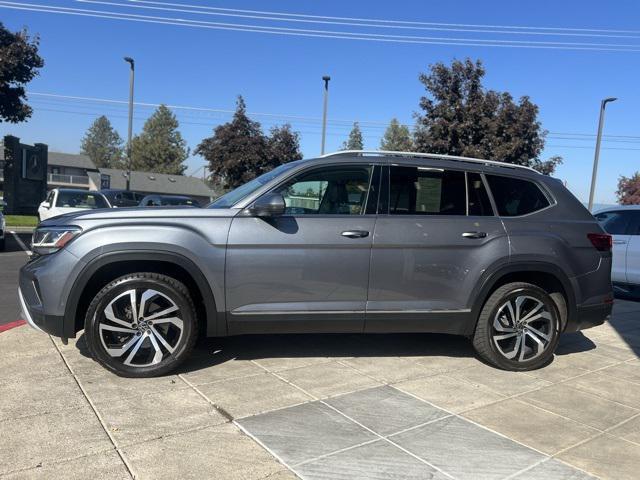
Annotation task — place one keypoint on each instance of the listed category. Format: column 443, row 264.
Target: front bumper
column 34, row 316
column 43, row 291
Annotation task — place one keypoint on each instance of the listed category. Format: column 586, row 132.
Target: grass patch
column 21, row 220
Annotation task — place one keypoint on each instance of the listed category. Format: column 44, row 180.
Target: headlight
column 51, row 239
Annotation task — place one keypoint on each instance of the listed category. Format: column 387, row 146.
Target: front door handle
column 355, row 233
column 474, row 234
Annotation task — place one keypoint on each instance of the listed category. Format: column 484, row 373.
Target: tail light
column 601, row 241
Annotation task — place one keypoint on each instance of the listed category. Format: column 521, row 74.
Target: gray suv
column 367, row 242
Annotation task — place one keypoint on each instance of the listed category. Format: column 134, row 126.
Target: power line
column 383, row 21
column 322, row 33
column 355, row 22
column 348, row 122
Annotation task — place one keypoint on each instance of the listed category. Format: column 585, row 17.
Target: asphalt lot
column 10, row 262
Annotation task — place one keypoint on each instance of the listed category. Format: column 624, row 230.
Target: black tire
column 496, row 313
column 2, row 245
column 164, row 293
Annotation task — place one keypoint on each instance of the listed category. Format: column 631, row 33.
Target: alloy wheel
column 523, row 328
column 140, row 327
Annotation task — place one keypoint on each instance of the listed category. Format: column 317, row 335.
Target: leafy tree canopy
column 397, row 137
column 354, row 142
column 19, row 64
column 160, row 147
column 460, row 117
column 102, row 144
column 239, row 151
column 629, row 190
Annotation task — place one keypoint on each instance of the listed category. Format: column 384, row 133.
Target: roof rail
column 389, row 153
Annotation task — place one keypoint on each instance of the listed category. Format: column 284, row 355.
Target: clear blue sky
column 371, row 81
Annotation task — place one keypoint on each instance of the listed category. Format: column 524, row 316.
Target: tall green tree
column 239, row 151
column 461, row 117
column 160, row 147
column 629, row 190
column 397, row 137
column 102, row 144
column 19, row 64
column 283, row 145
column 354, row 142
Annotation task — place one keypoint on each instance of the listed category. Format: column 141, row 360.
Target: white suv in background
column 623, row 223
column 67, row 200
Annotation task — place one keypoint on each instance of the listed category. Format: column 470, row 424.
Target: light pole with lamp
column 596, row 157
column 326, row 79
column 130, row 61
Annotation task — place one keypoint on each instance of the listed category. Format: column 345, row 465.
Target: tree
column 629, row 190
column 160, row 147
column 102, row 144
column 397, row 137
column 283, row 145
column 461, row 117
column 19, row 64
column 354, row 142
column 239, row 151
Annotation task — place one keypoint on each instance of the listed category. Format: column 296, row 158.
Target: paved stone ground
column 326, row 407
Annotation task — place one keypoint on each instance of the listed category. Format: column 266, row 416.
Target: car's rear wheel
column 518, row 327
column 141, row 325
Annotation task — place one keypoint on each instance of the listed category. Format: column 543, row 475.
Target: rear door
column 633, row 250
column 430, row 248
column 617, row 223
column 308, row 270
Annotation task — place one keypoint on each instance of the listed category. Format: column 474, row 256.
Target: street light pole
column 596, row 157
column 326, row 79
column 130, row 61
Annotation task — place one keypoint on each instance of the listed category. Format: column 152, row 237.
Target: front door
column 430, row 250
column 308, row 269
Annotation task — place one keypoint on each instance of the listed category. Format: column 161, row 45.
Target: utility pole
column 596, row 157
column 326, row 79
column 130, row 61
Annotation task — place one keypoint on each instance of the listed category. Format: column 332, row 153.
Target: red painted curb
column 9, row 326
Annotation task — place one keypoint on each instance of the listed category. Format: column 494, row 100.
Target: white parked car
column 65, row 200
column 623, row 223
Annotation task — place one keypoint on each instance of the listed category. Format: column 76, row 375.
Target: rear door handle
column 355, row 233
column 474, row 234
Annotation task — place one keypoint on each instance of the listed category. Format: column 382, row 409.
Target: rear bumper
column 590, row 316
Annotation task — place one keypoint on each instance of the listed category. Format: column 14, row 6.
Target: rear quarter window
column 515, row 196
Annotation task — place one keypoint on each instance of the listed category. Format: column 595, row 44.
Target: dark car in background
column 168, row 201
column 122, row 198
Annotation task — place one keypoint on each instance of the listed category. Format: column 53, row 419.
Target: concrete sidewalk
column 326, row 406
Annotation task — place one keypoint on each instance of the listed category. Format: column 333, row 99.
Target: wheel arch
column 545, row 275
column 109, row 266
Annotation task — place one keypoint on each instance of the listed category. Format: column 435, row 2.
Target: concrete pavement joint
column 219, row 409
column 96, row 412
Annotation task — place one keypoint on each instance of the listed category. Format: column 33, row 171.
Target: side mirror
column 46, row 205
column 269, row 205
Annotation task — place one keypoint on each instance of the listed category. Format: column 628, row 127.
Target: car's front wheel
column 518, row 327
column 141, row 325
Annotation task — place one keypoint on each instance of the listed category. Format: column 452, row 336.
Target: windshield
column 234, row 196
column 71, row 199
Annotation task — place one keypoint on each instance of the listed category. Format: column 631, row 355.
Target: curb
column 10, row 325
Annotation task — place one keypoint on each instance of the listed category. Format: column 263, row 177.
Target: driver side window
column 335, row 190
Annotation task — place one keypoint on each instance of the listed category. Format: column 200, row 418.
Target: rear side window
column 426, row 191
column 515, row 197
column 616, row 223
column 479, row 203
